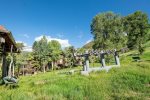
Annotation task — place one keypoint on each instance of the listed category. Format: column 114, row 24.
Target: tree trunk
column 52, row 65
column 43, row 68
column 11, row 62
column 23, row 69
column 18, row 71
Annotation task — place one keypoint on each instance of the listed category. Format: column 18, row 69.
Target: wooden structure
column 7, row 44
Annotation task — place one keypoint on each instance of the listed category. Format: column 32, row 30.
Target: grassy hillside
column 130, row 81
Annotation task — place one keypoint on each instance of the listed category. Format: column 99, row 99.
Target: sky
column 67, row 21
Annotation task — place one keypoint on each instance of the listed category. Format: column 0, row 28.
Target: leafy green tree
column 54, row 51
column 136, row 26
column 40, row 52
column 69, row 55
column 21, row 60
column 107, row 29
column 20, row 45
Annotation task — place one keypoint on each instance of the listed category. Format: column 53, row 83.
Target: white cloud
column 26, row 35
column 63, row 42
column 25, row 44
column 26, row 47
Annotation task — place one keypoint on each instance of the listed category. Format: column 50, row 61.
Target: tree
column 20, row 45
column 54, row 49
column 136, row 26
column 40, row 52
column 107, row 29
column 21, row 60
column 69, row 54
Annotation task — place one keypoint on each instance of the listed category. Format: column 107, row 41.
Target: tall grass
column 130, row 81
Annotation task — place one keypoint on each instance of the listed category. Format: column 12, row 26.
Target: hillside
column 88, row 45
column 130, row 81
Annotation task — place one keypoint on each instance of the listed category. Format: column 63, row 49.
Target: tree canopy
column 113, row 31
column 136, row 26
column 107, row 29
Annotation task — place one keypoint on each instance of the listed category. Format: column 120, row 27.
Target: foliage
column 45, row 52
column 20, row 45
column 107, row 29
column 113, row 31
column 136, row 26
column 54, row 50
column 40, row 52
column 69, row 55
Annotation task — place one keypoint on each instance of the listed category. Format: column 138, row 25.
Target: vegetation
column 136, row 26
column 44, row 52
column 107, row 29
column 130, row 81
column 113, row 31
column 110, row 31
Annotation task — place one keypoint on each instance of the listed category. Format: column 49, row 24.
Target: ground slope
column 130, row 81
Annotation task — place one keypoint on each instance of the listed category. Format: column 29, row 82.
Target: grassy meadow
column 130, row 82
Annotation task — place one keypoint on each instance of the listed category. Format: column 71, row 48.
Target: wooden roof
column 9, row 40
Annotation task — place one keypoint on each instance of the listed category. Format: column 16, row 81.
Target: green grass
column 130, row 82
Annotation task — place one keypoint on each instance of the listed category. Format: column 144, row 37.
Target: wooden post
column 4, row 62
column 11, row 62
column 13, row 70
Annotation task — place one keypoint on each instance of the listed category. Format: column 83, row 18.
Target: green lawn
column 130, row 81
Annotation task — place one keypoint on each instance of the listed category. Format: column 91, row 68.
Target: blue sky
column 65, row 20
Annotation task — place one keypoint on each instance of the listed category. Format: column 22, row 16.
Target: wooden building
column 7, row 44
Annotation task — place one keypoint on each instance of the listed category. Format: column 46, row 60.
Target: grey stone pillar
column 117, row 58
column 102, row 59
column 84, row 67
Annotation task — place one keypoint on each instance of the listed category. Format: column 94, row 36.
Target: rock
column 71, row 72
column 85, row 73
